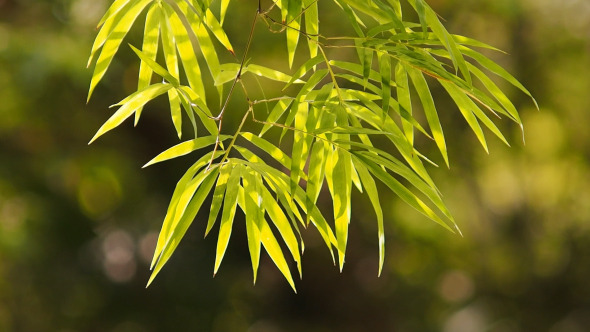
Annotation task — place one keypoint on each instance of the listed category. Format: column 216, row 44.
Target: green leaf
column 114, row 9
column 282, row 224
column 293, row 28
column 278, row 110
column 274, row 251
column 227, row 215
column 223, row 10
column 175, row 111
column 316, row 172
column 462, row 102
column 403, row 193
column 133, row 102
column 306, row 67
column 496, row 69
column 217, row 30
column 107, row 24
column 312, row 25
column 150, row 49
column 180, row 188
column 156, row 67
column 113, row 41
column 218, row 194
column 371, row 190
column 173, row 239
column 404, row 98
column 385, row 68
column 201, row 109
column 185, row 148
column 300, row 146
column 496, row 92
column 186, row 51
column 356, row 69
column 272, row 74
column 338, row 175
column 269, row 148
column 425, row 96
column 252, row 198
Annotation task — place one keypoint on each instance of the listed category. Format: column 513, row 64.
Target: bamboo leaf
column 114, row 9
column 136, row 100
column 278, row 110
column 274, row 251
column 293, row 28
column 223, row 10
column 496, row 69
column 385, row 68
column 150, row 50
column 371, row 190
column 183, row 224
column 468, row 106
column 202, row 110
column 170, row 213
column 282, row 224
column 113, row 41
column 269, row 148
column 316, row 172
column 185, row 148
column 107, row 24
column 439, row 30
column 404, row 98
column 425, row 96
column 217, row 30
column 272, row 74
column 175, row 111
column 186, row 51
column 312, row 25
column 227, row 215
column 218, row 193
column 306, row 67
column 402, row 192
column 252, row 198
column 464, row 107
column 156, row 67
column 496, row 92
column 338, row 174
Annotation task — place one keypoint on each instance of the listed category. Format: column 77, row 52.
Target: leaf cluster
column 338, row 113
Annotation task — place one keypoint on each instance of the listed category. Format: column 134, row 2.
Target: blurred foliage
column 78, row 223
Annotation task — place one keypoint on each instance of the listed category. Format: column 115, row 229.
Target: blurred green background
column 78, row 222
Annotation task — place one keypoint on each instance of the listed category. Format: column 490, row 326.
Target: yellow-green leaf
column 136, row 100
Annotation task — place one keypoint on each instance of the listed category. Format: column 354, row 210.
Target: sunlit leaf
column 136, row 100
column 114, row 39
column 185, row 148
column 252, row 206
column 150, row 49
column 227, row 215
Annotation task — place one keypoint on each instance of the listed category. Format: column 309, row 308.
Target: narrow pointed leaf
column 150, row 49
column 371, row 190
column 155, row 66
column 252, row 197
column 218, row 195
column 185, row 148
column 183, row 224
column 227, row 215
column 427, row 101
column 112, row 43
column 138, row 99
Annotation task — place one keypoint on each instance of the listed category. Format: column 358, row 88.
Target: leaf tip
column 459, row 230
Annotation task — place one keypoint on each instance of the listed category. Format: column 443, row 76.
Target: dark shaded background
column 78, row 223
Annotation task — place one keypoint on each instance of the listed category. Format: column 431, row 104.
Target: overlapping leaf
column 326, row 125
